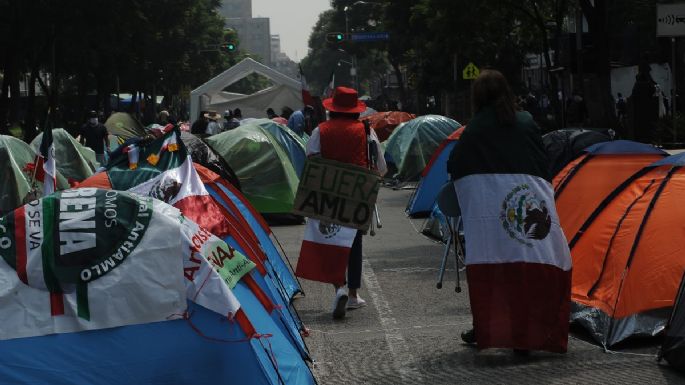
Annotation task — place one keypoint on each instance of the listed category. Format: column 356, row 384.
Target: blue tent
column 433, row 177
column 288, row 139
column 412, row 144
column 203, row 349
column 279, row 293
column 281, row 268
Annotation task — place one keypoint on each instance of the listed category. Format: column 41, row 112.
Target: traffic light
column 229, row 47
column 335, row 37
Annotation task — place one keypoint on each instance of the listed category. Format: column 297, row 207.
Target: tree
column 599, row 99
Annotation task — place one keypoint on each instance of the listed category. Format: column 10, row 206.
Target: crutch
column 378, row 217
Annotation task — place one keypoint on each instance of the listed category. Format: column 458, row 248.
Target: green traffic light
column 339, row 37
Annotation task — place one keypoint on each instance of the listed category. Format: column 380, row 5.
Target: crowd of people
column 302, row 121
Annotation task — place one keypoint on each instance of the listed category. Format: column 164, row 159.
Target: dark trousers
column 354, row 264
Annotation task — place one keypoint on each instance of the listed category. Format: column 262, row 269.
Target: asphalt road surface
column 409, row 332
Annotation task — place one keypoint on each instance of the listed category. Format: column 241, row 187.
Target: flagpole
column 35, row 169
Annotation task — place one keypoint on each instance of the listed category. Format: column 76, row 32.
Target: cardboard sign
column 338, row 193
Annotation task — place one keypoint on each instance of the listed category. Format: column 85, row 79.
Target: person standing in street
column 93, row 135
column 299, row 119
column 213, row 126
column 344, row 138
column 518, row 263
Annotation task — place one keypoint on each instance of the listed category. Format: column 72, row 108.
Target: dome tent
column 565, row 145
column 586, row 181
column 413, row 143
column 384, row 123
column 16, row 187
column 289, row 140
column 173, row 173
column 268, row 177
column 73, row 160
column 626, row 265
column 174, row 318
column 433, row 177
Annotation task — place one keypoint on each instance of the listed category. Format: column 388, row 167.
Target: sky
column 293, row 20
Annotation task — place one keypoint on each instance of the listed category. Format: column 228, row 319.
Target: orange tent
column 629, row 256
column 385, row 122
column 585, row 182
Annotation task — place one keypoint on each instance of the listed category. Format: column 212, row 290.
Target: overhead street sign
column 670, row 19
column 471, row 72
column 369, row 36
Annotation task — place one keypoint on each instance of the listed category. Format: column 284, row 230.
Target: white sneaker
column 356, row 303
column 340, row 303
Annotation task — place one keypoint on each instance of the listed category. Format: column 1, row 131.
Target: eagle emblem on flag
column 524, row 216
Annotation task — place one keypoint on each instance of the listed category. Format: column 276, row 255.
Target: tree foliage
column 76, row 48
column 431, row 40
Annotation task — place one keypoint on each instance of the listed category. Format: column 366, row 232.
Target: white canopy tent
column 285, row 91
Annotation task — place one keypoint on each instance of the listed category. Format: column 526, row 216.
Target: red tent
column 385, row 122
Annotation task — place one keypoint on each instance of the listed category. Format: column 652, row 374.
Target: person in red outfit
column 344, row 138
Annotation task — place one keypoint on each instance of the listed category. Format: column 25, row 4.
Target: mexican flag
column 46, row 171
column 325, row 251
column 518, row 263
column 164, row 170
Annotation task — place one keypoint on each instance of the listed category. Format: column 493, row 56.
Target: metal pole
column 673, row 88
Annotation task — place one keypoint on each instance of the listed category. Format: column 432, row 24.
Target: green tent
column 73, row 161
column 267, row 176
column 412, row 144
column 16, row 188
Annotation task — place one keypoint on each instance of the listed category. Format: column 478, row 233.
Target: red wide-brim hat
column 344, row 100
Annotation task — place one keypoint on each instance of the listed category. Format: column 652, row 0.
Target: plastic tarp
column 289, row 140
column 73, row 161
column 435, row 226
column 673, row 347
column 563, row 146
column 124, row 126
column 412, row 144
column 267, row 176
column 201, row 153
column 15, row 181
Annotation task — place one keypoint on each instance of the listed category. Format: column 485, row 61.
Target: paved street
column 409, row 333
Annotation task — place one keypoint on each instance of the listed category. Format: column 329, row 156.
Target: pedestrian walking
column 518, row 263
column 93, row 135
column 344, row 138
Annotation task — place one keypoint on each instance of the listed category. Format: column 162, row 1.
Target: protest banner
column 337, row 193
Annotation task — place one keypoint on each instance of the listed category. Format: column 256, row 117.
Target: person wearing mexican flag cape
column 518, row 263
column 328, row 249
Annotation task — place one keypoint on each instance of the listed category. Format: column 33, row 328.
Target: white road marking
column 403, row 358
